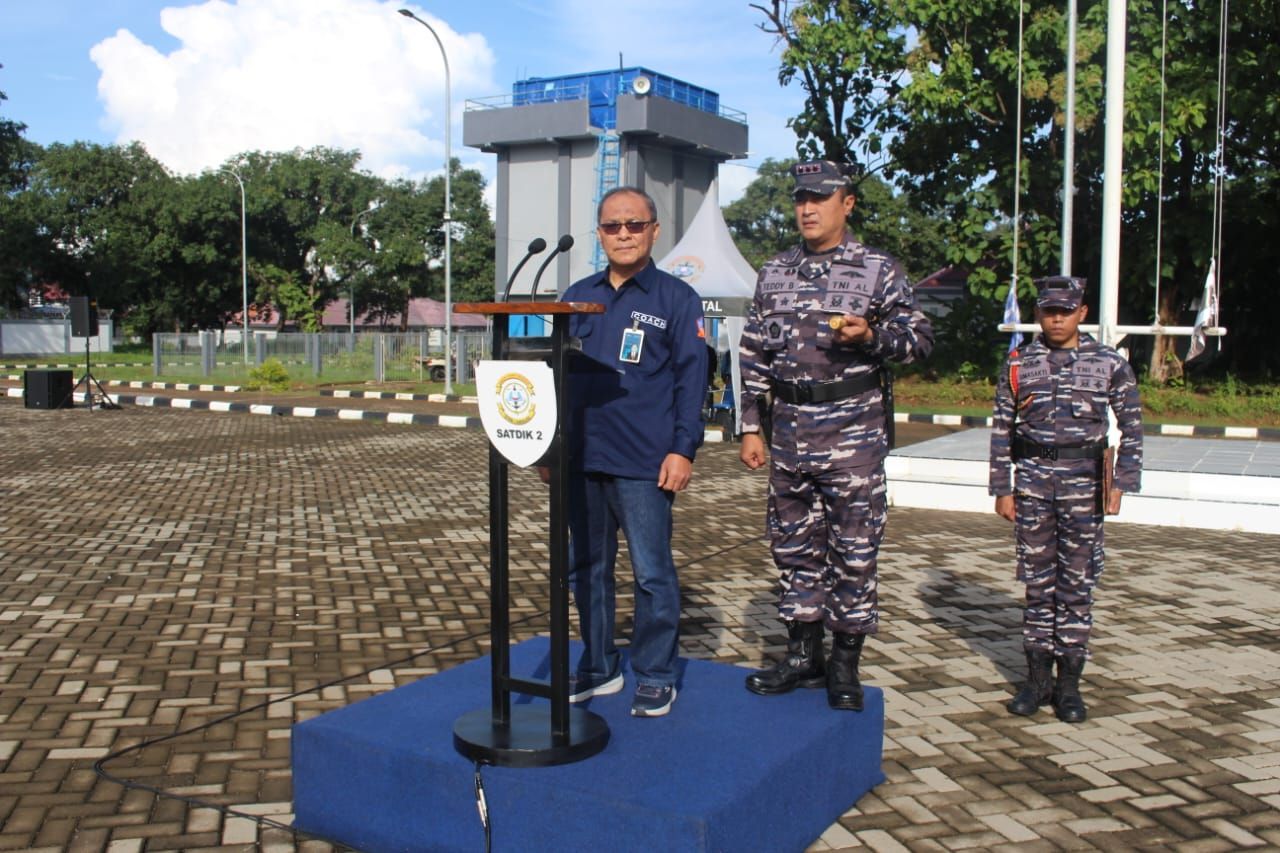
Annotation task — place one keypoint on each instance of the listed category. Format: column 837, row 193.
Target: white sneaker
column 583, row 687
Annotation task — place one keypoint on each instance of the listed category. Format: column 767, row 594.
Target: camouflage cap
column 1060, row 291
column 822, row 177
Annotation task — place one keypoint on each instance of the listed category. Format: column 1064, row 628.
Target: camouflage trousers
column 824, row 531
column 1059, row 559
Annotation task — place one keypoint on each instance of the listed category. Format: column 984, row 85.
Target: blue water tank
column 601, row 89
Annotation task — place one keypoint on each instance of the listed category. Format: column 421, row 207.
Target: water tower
column 562, row 142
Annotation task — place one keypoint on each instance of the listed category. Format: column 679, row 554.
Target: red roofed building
column 424, row 314
column 938, row 291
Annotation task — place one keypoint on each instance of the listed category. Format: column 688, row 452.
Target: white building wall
column 678, row 181
column 532, row 211
column 49, row 337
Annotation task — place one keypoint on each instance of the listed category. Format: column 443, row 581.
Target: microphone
column 564, row 244
column 536, row 245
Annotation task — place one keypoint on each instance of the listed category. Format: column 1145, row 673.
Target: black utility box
column 47, row 389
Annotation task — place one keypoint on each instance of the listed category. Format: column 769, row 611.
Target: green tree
column 19, row 244
column 95, row 209
column 471, row 253
column 889, row 220
column 165, row 251
column 305, row 252
column 397, row 257
column 851, row 74
column 763, row 221
column 16, row 154
column 937, row 113
column 196, row 249
column 473, row 247
column 297, row 200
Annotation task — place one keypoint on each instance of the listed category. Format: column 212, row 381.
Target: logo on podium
column 517, row 402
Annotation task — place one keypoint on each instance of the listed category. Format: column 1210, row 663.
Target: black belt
column 824, row 392
column 1024, row 448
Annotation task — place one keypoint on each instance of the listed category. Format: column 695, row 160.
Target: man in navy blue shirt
column 635, row 423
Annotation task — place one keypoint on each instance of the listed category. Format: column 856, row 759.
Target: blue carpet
column 726, row 770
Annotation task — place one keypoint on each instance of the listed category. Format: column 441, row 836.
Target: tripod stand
column 89, row 383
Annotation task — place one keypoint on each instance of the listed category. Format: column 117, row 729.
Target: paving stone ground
column 163, row 571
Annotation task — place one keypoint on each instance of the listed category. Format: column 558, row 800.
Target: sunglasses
column 635, row 226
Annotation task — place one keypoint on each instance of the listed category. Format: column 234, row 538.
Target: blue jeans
column 598, row 506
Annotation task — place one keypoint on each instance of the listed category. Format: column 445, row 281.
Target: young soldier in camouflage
column 1050, row 473
column 826, row 317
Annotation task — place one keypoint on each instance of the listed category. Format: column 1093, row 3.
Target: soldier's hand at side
column 1113, row 502
column 752, row 452
column 854, row 330
column 1005, row 508
column 675, row 473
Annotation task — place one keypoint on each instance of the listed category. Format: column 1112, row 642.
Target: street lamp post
column 244, row 268
column 351, row 290
column 448, row 212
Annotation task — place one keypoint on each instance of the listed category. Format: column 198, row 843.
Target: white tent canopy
column 708, row 260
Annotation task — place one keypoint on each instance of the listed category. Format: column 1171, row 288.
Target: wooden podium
column 534, row 734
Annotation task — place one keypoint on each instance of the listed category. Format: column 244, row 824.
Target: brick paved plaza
column 163, row 570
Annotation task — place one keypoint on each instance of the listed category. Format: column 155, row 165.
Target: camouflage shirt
column 788, row 338
column 1061, row 401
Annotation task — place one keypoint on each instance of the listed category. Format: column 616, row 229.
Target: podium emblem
column 517, row 402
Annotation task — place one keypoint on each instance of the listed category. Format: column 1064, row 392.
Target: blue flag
column 1011, row 315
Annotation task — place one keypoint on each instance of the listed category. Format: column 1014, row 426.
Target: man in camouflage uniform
column 1050, row 473
column 826, row 317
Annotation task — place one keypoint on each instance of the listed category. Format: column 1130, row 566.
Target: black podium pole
column 531, row 735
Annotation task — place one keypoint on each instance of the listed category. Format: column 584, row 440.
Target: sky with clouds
column 198, row 81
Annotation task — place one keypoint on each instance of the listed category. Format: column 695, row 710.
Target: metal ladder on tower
column 608, row 173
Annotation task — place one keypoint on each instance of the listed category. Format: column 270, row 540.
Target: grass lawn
column 1228, row 403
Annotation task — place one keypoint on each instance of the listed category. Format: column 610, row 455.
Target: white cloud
column 717, row 44
column 278, row 74
column 734, row 178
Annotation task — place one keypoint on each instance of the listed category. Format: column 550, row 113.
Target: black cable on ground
column 100, row 766
column 482, row 806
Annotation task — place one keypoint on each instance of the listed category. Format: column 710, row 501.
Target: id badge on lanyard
column 632, row 345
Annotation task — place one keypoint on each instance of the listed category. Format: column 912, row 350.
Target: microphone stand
column 564, row 244
column 536, row 245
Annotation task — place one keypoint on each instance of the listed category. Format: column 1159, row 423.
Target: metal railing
column 502, row 102
column 337, row 357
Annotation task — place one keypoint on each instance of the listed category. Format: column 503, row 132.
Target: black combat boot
column 1038, row 689
column 1066, row 692
column 802, row 667
column 844, row 692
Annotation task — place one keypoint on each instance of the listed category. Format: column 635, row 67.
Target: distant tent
column 708, row 260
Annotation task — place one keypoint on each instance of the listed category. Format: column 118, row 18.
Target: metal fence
column 337, row 357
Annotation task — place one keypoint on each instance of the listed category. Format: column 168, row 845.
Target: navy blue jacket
column 625, row 418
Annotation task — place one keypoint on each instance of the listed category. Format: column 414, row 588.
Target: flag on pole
column 1208, row 313
column 1012, row 315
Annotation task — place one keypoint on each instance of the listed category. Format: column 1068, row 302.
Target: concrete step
column 1208, row 484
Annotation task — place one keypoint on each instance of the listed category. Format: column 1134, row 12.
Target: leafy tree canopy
column 763, row 220
column 165, row 251
column 925, row 93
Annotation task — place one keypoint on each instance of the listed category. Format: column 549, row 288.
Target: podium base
column 725, row 770
column 526, row 741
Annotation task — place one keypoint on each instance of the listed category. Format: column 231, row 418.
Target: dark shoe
column 1066, row 692
column 1038, row 689
column 653, row 700
column 844, row 691
column 583, row 687
column 802, row 667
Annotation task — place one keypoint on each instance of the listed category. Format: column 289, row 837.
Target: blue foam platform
column 726, row 770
